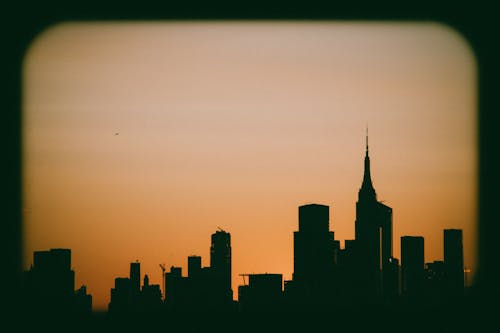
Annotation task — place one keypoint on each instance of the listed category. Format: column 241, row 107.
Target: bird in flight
column 116, row 133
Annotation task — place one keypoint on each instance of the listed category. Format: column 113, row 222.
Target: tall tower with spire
column 373, row 233
column 367, row 192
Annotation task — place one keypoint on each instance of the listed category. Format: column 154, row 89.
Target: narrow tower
column 220, row 262
column 454, row 261
column 373, row 233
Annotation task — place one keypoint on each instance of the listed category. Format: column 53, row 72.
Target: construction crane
column 221, row 229
column 162, row 266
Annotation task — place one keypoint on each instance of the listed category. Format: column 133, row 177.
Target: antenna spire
column 367, row 190
column 366, row 139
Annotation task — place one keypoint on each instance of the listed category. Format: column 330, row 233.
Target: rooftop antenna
column 366, row 137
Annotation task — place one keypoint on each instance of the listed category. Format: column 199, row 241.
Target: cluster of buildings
column 364, row 272
column 325, row 276
column 204, row 288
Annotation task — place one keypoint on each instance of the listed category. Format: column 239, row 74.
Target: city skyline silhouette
column 234, row 130
column 326, row 276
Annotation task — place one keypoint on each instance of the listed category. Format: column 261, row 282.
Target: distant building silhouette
column 194, row 266
column 121, row 300
column 127, row 296
column 205, row 288
column 264, row 292
column 373, row 234
column 150, row 298
column 412, row 265
column 435, row 282
column 220, row 264
column 83, row 301
column 174, row 287
column 135, row 278
column 314, row 257
column 454, row 261
column 49, row 285
column 392, row 280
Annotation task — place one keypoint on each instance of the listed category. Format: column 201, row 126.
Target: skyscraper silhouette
column 135, row 277
column 314, row 256
column 51, row 281
column 373, row 233
column 313, row 244
column 220, row 263
column 120, row 300
column 412, row 265
column 49, row 285
column 454, row 261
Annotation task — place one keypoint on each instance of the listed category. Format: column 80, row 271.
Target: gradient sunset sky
column 141, row 139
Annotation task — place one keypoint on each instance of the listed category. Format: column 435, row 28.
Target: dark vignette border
column 476, row 21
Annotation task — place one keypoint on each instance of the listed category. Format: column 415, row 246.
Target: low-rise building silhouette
column 264, row 292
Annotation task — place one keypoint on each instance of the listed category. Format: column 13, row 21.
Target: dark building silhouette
column 314, row 258
column 50, row 284
column 53, row 268
column 454, row 261
column 314, row 249
column 392, row 278
column 121, row 300
column 205, row 288
column 264, row 292
column 174, row 287
column 220, row 264
column 435, row 282
column 412, row 265
column 373, row 234
column 83, row 301
column 194, row 266
column 150, row 298
column 135, row 277
column 346, row 274
column 192, row 293
column 127, row 296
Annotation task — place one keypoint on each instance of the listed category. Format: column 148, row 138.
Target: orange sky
column 234, row 125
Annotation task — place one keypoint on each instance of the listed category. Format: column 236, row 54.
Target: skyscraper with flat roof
column 50, row 283
column 412, row 265
column 220, row 262
column 263, row 293
column 314, row 250
column 454, row 260
column 314, row 246
column 135, row 277
column 194, row 266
